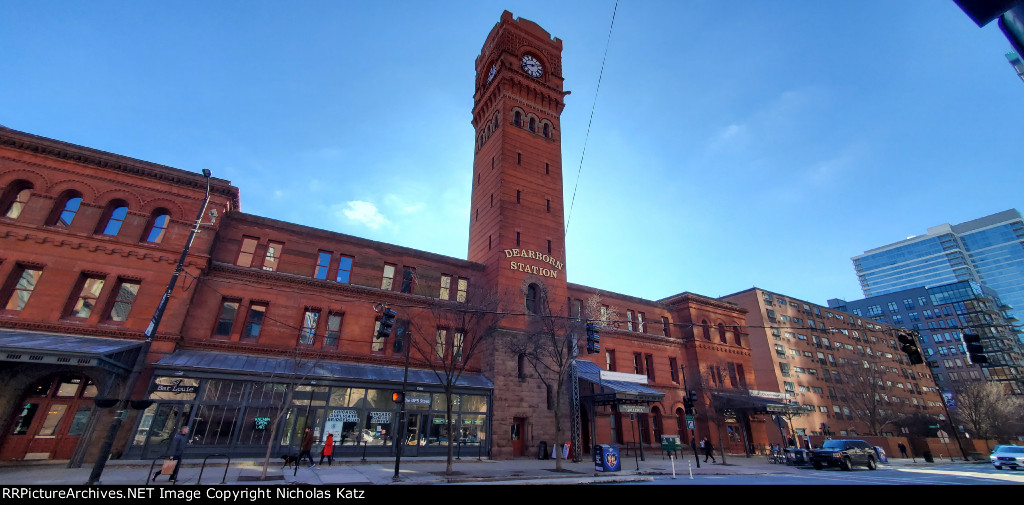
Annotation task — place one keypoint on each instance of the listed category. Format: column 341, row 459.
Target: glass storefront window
column 472, row 429
column 438, row 402
column 256, row 425
column 418, row 401
column 79, row 421
column 474, row 403
column 315, row 396
column 68, row 386
column 377, row 429
column 268, row 393
column 28, row 413
column 213, row 425
column 223, row 391
column 380, row 399
column 52, row 420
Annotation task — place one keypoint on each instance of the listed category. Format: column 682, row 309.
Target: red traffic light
column 398, row 397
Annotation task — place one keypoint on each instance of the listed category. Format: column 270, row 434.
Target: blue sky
column 734, row 144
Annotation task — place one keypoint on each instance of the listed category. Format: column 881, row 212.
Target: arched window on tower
column 113, row 217
column 533, row 124
column 65, row 210
column 532, row 298
column 545, row 130
column 15, row 198
column 517, row 119
column 736, row 336
column 721, row 333
column 157, row 226
column 705, row 329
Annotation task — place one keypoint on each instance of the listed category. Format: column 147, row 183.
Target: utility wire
column 568, row 216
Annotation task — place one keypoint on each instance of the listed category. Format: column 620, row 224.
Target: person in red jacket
column 328, row 450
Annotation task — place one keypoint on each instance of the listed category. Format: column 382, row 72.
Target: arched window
column 15, row 198
column 705, row 329
column 521, row 366
column 66, row 209
column 157, row 226
column 532, row 295
column 533, row 124
column 517, row 119
column 113, row 217
column 736, row 335
column 545, row 129
column 721, row 333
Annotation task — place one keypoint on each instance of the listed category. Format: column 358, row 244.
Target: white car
column 1007, row 455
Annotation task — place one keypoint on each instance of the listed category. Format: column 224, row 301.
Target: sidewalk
column 380, row 471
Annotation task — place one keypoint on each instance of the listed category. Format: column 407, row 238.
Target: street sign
column 689, row 422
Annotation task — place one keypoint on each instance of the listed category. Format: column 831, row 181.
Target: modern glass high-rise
column 988, row 251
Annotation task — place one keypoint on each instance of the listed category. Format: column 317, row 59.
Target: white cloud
column 396, row 202
column 365, row 213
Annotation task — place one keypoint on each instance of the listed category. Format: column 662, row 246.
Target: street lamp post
column 693, row 439
column 140, row 361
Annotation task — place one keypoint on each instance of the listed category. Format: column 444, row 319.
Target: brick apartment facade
column 826, row 360
column 273, row 317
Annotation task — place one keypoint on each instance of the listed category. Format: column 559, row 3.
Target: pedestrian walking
column 709, row 450
column 328, row 450
column 307, row 447
column 903, row 449
column 178, row 444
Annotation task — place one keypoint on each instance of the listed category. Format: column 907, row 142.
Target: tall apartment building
column 941, row 314
column 832, row 364
column 987, row 250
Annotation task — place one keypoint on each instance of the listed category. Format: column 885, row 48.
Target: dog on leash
column 289, row 461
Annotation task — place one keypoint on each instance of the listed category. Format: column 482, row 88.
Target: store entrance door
column 50, row 419
column 415, row 434
column 159, row 425
column 518, row 436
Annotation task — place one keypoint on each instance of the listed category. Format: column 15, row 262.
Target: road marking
column 961, row 473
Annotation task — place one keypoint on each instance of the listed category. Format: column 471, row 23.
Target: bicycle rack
column 223, row 479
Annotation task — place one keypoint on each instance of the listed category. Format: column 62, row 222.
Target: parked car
column 845, row 454
column 1007, row 455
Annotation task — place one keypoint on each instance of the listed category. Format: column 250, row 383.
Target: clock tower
column 517, row 221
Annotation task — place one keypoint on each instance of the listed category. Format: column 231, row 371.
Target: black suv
column 844, row 454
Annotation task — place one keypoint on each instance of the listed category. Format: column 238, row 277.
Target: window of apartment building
column 629, row 320
column 156, row 228
column 789, row 387
column 323, row 264
column 577, row 309
column 446, row 286
column 893, row 307
column 721, row 333
column 408, row 279
column 388, row 277
column 113, row 217
column 665, row 327
column 309, row 323
column 333, row 335
column 673, row 366
column 874, row 310
column 401, row 332
column 733, row 379
column 377, row 343
column 922, row 301
column 246, row 251
column 273, row 256
column 649, row 366
column 457, row 339
column 784, row 369
column 89, row 288
column 780, row 351
column 20, row 285
column 705, row 329
column 344, row 269
column 463, row 287
column 638, row 363
column 125, row 292
column 771, row 315
column 254, row 321
column 641, row 323
column 226, row 318
column 908, row 303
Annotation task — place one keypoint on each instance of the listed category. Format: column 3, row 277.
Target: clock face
column 490, row 75
column 531, row 66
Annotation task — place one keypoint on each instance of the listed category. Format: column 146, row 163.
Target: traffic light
column 908, row 344
column 593, row 339
column 691, row 398
column 387, row 321
column 975, row 352
column 398, row 397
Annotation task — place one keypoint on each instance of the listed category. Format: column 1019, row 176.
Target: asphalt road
column 972, row 475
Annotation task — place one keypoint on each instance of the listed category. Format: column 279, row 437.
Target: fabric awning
column 113, row 355
column 613, row 391
column 269, row 367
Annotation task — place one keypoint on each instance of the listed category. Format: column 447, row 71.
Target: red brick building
column 274, row 326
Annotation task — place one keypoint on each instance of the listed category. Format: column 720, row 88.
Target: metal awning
column 751, row 403
column 613, row 391
column 199, row 362
column 113, row 355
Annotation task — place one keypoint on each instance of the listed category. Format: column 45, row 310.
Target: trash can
column 542, row 450
column 928, row 457
column 606, row 458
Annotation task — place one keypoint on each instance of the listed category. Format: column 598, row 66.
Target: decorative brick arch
column 37, row 179
column 87, row 191
column 133, row 200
